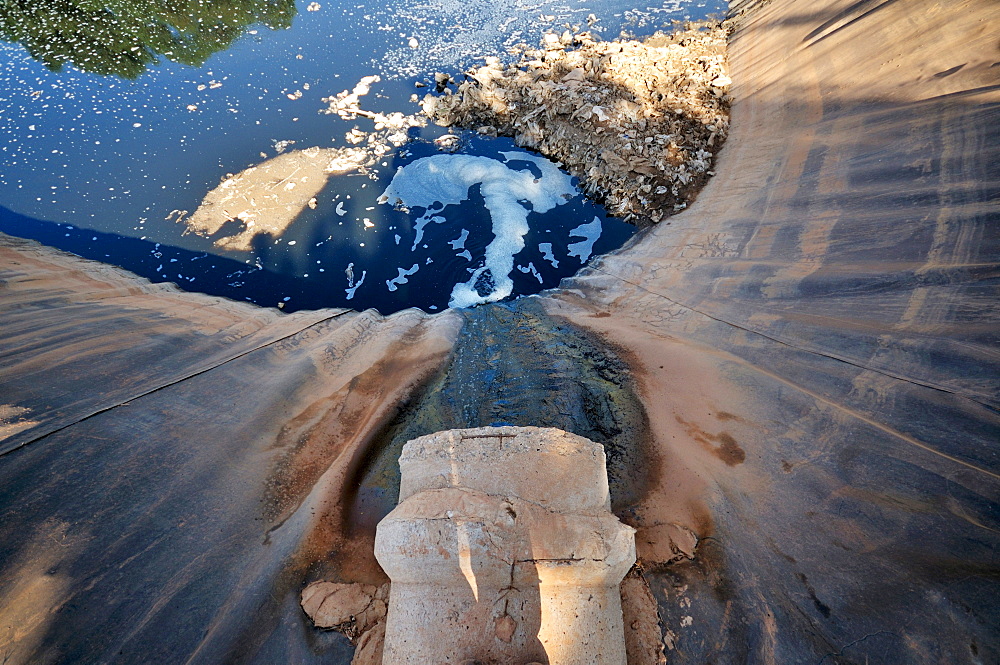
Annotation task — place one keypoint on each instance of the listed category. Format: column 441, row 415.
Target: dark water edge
column 213, row 275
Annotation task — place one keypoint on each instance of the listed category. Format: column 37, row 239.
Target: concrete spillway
column 805, row 362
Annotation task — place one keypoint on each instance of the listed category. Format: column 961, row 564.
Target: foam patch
column 590, row 232
column 509, row 195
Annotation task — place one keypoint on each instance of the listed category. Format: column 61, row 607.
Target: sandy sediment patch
column 14, row 419
column 268, row 197
column 638, row 123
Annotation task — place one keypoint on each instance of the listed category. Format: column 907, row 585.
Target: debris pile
column 638, row 123
column 356, row 610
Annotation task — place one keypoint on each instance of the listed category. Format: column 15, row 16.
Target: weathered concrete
column 503, row 549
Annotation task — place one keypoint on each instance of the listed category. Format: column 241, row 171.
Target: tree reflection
column 124, row 37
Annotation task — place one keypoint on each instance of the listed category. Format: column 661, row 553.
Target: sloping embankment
column 814, row 344
column 830, row 306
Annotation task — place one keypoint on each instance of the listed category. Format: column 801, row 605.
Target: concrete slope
column 173, row 463
column 801, row 370
column 816, row 344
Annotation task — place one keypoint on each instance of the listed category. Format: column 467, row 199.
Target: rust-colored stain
column 728, row 450
column 725, row 415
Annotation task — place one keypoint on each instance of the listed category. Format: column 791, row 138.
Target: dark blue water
column 114, row 115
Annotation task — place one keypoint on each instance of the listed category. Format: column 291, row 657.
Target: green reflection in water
column 124, row 37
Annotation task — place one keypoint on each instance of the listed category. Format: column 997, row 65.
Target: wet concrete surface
column 552, row 375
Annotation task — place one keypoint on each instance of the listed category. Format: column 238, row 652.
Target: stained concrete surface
column 808, row 356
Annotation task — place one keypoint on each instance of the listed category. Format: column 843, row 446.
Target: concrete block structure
column 503, row 549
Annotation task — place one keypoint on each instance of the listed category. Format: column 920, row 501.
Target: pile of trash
column 639, row 123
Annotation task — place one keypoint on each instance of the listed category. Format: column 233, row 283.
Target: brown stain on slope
column 728, row 450
column 337, row 448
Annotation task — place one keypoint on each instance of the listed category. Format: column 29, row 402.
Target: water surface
column 119, row 117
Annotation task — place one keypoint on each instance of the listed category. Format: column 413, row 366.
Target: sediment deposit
column 265, row 199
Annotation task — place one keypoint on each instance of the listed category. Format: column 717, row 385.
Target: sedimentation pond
column 192, row 143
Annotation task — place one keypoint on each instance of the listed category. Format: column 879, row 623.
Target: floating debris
column 347, row 104
column 441, row 81
column 390, row 130
column 638, row 123
column 268, row 197
column 448, row 143
column 438, row 181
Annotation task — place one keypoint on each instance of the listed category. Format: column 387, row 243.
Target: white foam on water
column 395, row 282
column 590, row 232
column 533, row 270
column 419, row 229
column 449, row 35
column 446, row 180
column 459, row 242
column 546, row 249
column 354, row 289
